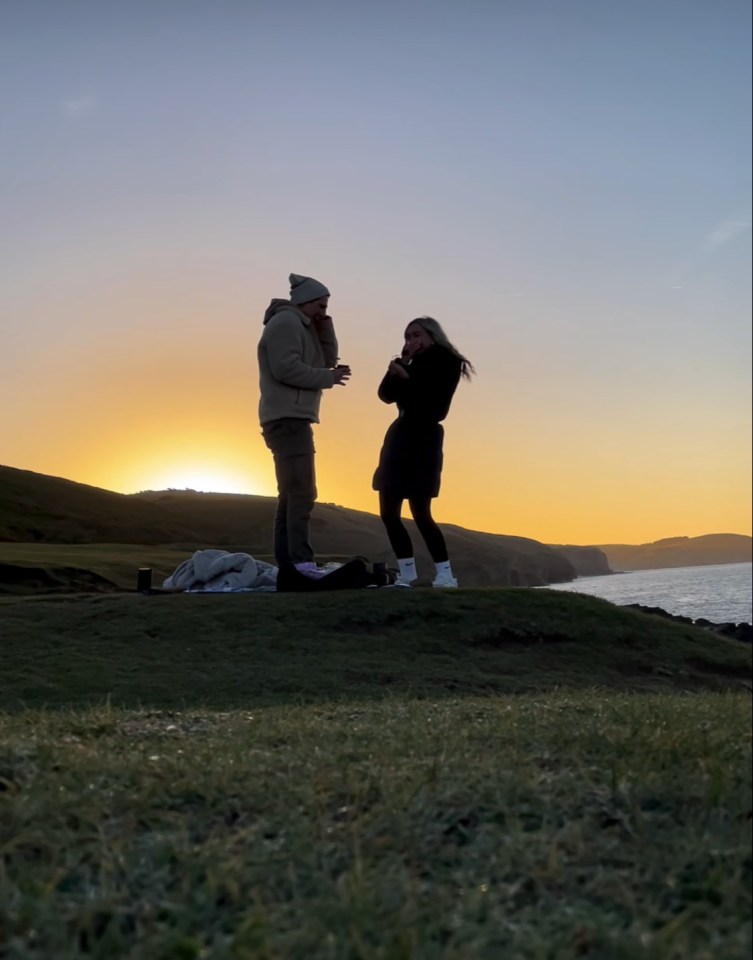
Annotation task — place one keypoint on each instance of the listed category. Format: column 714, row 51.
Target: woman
column 422, row 383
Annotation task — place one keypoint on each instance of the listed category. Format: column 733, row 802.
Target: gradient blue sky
column 566, row 185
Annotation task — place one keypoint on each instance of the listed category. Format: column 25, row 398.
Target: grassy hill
column 102, row 537
column 35, row 508
column 34, row 569
column 225, row 651
column 560, row 825
column 372, row 774
column 680, row 552
column 38, row 508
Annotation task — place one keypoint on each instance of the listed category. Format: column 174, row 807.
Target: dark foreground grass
column 599, row 825
column 229, row 651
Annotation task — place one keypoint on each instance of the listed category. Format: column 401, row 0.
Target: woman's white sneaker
column 444, row 580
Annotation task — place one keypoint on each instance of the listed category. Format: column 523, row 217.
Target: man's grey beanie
column 305, row 289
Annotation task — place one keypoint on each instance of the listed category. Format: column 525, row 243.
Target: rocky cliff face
column 588, row 561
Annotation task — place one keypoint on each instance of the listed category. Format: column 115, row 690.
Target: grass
column 612, row 826
column 229, row 651
column 69, row 563
column 375, row 775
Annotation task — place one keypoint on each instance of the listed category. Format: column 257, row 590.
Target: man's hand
column 342, row 374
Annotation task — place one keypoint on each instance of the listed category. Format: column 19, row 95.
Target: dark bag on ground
column 353, row 575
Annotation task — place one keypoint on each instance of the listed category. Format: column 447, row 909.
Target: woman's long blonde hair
column 434, row 329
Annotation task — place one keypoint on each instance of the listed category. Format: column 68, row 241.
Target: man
column 297, row 360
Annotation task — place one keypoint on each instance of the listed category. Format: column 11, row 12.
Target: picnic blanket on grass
column 217, row 571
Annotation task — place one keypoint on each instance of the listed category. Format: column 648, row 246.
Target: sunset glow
column 567, row 192
column 203, row 481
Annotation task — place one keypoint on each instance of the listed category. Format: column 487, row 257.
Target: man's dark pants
column 292, row 444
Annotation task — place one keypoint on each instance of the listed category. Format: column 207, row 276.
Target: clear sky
column 564, row 184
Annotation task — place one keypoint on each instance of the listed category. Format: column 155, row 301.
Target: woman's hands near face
column 411, row 348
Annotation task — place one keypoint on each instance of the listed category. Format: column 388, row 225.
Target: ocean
column 721, row 592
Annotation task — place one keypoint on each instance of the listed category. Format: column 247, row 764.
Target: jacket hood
column 278, row 304
column 274, row 307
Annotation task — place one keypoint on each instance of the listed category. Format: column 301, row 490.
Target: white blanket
column 217, row 571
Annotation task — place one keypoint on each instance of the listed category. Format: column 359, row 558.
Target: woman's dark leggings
column 420, row 507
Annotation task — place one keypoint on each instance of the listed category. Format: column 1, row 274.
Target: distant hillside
column 37, row 508
column 680, row 552
column 588, row 561
column 42, row 509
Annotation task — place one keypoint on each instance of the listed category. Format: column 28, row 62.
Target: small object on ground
column 144, row 580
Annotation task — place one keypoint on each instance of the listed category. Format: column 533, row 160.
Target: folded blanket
column 220, row 571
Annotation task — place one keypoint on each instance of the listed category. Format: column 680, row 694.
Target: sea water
column 720, row 592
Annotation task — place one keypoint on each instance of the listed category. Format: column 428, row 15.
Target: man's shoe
column 311, row 570
column 445, row 581
column 402, row 582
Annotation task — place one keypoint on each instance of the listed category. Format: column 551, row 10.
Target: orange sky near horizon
column 567, row 188
column 539, row 495
column 523, row 457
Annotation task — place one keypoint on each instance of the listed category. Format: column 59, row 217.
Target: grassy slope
column 62, row 567
column 236, row 650
column 344, row 778
column 611, row 827
column 478, row 563
column 37, row 508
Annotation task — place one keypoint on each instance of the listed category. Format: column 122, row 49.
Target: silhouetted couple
column 298, row 358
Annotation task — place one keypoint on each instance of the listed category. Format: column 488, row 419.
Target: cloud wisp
column 79, row 106
column 723, row 233
column 726, row 231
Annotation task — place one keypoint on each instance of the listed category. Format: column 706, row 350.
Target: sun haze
column 566, row 187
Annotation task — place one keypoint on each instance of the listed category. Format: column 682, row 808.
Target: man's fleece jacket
column 295, row 361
